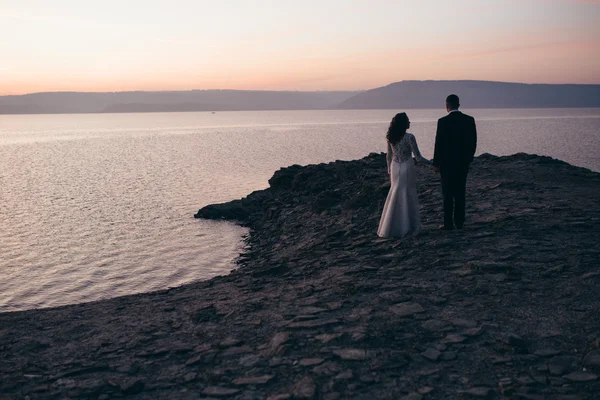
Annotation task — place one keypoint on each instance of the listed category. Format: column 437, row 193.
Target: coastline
column 321, row 308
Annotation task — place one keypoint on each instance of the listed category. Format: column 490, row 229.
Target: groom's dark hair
column 453, row 102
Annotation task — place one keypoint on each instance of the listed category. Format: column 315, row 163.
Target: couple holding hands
column 455, row 144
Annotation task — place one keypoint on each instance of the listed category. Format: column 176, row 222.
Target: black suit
column 455, row 144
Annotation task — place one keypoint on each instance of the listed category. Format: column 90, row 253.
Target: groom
column 455, row 144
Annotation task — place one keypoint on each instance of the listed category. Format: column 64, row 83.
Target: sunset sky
column 116, row 45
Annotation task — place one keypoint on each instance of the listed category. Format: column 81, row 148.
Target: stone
column 351, row 354
column 581, row 376
column 425, row 390
column 517, row 341
column 463, row 323
column 230, row 342
column 280, row 397
column 276, row 344
column 556, row 370
column 132, row 386
column 412, row 396
column 250, row 360
column 592, row 359
column 406, row 309
column 218, row 391
column 434, row 325
column 452, row 338
column 328, row 368
column 346, row 375
column 481, row 392
column 327, row 337
column 314, row 323
column 305, row 388
column 431, row 354
column 308, row 362
column 546, row 352
column 473, row 332
column 234, row 351
column 448, row 356
column 253, row 380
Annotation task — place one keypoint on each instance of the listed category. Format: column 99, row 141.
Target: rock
column 448, row 356
column 308, row 362
column 132, row 386
column 235, row 351
column 280, row 397
column 314, row 323
column 425, row 390
column 218, row 391
column 592, row 359
column 305, row 388
column 326, row 337
column 434, row 325
column 481, row 392
column 276, row 344
column 517, row 341
column 581, row 377
column 406, row 309
column 342, row 376
column 556, row 370
column 230, row 342
column 329, row 368
column 452, row 338
column 250, row 360
column 233, row 210
column 351, row 354
column 412, row 396
column 431, row 354
column 253, row 380
column 473, row 332
column 311, row 310
column 464, row 323
column 546, row 352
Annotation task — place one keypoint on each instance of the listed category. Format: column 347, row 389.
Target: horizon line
column 293, row 91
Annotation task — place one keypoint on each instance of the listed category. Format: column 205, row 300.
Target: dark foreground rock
column 320, row 308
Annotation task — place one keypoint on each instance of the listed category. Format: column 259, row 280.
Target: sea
column 94, row 206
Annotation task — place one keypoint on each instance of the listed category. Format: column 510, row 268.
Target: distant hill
column 192, row 100
column 474, row 94
column 399, row 95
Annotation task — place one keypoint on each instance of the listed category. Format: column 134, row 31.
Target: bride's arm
column 389, row 156
column 415, row 149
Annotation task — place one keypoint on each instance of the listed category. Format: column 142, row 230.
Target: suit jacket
column 455, row 142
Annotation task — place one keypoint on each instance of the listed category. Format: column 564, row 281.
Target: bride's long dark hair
column 397, row 128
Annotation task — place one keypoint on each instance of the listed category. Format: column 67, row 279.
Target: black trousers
column 454, row 186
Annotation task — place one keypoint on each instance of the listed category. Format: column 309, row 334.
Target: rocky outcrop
column 320, row 308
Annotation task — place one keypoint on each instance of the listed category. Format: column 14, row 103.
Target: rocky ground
column 321, row 308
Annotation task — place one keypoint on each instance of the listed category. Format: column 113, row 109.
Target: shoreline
column 321, row 308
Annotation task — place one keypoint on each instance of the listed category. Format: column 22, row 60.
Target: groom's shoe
column 459, row 226
column 446, row 228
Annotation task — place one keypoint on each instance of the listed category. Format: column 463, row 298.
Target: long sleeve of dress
column 415, row 150
column 389, row 156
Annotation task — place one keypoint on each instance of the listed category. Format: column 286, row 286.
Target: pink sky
column 280, row 45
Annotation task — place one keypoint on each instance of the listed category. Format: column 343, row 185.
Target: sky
column 120, row 45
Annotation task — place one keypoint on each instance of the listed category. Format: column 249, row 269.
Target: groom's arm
column 437, row 153
column 472, row 140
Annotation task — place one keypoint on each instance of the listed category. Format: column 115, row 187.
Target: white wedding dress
column 401, row 214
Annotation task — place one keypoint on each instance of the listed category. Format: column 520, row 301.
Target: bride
column 401, row 214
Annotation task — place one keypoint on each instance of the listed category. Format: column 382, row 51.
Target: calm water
column 97, row 206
